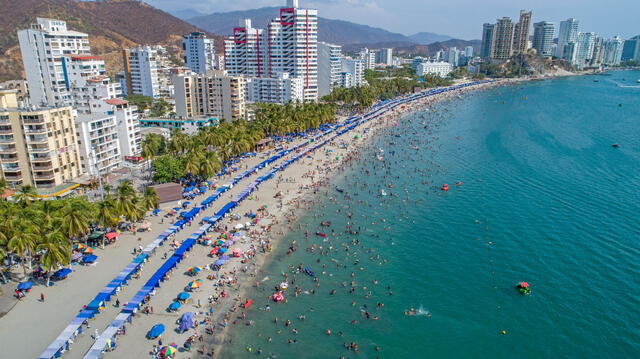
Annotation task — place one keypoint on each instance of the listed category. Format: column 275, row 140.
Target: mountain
column 111, row 25
column 431, row 49
column 334, row 31
column 185, row 14
column 426, row 38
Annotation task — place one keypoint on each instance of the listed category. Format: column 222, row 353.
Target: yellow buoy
column 504, row 332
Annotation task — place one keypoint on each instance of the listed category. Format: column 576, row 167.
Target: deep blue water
column 544, row 198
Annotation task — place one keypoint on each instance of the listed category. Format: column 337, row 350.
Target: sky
column 457, row 18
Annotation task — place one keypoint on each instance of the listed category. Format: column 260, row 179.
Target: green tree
column 150, row 198
column 168, row 168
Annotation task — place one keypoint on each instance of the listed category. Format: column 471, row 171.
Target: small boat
column 321, row 234
column 248, row 303
column 382, row 192
column 325, row 223
column 523, row 288
column 615, row 145
column 339, row 189
column 445, row 187
column 459, row 183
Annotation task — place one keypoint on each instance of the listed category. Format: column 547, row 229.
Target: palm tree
column 23, row 243
column 76, row 218
column 149, row 150
column 25, row 195
column 56, row 250
column 192, row 163
column 106, row 215
column 150, row 198
column 3, row 188
column 124, row 199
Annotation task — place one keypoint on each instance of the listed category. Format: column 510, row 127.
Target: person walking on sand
column 42, row 297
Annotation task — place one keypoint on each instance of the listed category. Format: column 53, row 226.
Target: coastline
column 286, row 216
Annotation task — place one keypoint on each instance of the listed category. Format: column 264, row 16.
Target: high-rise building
column 384, row 56
column 613, row 51
column 215, row 94
column 329, row 67
column 521, row 33
column 543, row 38
column 38, row 145
column 453, row 56
column 43, row 47
column 142, row 70
column 279, row 89
column 631, row 49
column 486, row 49
column 290, row 45
column 368, row 57
column 441, row 69
column 597, row 58
column 199, row 52
column 352, row 73
column 503, row 39
column 468, row 52
column 568, row 33
column 584, row 49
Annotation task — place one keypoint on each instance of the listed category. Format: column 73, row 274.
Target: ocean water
column 544, row 198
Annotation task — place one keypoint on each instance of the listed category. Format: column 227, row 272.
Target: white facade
column 199, row 52
column 368, row 57
column 42, row 47
column 584, row 49
column 99, row 145
column 441, row 69
column 355, row 71
column 280, row 89
column 289, row 45
column 329, row 67
column 142, row 70
column 613, row 51
column 453, row 56
column 468, row 52
column 385, row 56
column 568, row 34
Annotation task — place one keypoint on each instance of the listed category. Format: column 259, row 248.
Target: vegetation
column 458, row 73
column 158, row 107
column 201, row 156
column 41, row 233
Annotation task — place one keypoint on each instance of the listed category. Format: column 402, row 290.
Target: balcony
column 12, row 159
column 33, row 120
column 43, row 167
column 7, row 140
column 7, row 149
column 35, row 130
column 41, row 158
column 38, row 139
column 9, row 177
column 6, row 131
column 44, row 176
column 43, row 149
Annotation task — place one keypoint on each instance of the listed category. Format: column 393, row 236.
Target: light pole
column 95, row 168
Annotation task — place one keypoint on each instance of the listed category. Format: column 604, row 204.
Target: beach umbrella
column 194, row 270
column 184, row 296
column 62, row 273
column 79, row 246
column 524, row 284
column 89, row 258
column 223, row 250
column 175, row 306
column 214, row 251
column 226, row 258
column 194, row 284
column 155, row 331
column 174, row 344
column 25, row 285
column 168, row 351
column 88, row 250
column 219, row 262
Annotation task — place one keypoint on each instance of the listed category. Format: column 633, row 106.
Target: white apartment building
column 199, row 52
column 468, row 52
column 543, row 38
column 290, row 45
column 441, row 69
column 43, row 46
column 368, row 57
column 584, row 49
column 329, row 67
column 352, row 73
column 568, row 34
column 142, row 70
column 384, row 56
column 279, row 89
column 214, row 95
column 613, row 51
column 98, row 141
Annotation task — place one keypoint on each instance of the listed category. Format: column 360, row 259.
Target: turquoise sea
column 544, row 198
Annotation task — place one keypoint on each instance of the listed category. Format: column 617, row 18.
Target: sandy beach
column 31, row 325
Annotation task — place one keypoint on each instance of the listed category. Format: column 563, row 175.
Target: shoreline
column 286, row 216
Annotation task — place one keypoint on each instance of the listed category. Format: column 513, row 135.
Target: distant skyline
column 457, row 18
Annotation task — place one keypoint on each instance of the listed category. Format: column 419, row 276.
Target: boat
column 445, row 187
column 321, row 234
column 382, row 192
column 459, row 183
column 615, row 145
column 248, row 303
column 325, row 223
column 309, row 272
column 523, row 288
column 339, row 189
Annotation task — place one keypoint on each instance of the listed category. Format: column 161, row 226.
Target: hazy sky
column 457, row 18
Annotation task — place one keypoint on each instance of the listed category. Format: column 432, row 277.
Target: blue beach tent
column 156, row 331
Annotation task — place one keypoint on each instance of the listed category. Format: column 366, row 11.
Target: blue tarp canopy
column 25, row 285
column 184, row 296
column 155, row 331
column 62, row 273
column 175, row 306
column 219, row 262
column 89, row 258
column 186, row 322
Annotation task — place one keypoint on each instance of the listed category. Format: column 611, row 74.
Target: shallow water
column 544, row 198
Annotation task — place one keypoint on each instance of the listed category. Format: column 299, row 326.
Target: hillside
column 334, row 31
column 111, row 24
column 426, row 38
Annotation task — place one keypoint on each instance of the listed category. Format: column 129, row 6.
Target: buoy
column 504, row 332
column 328, row 332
